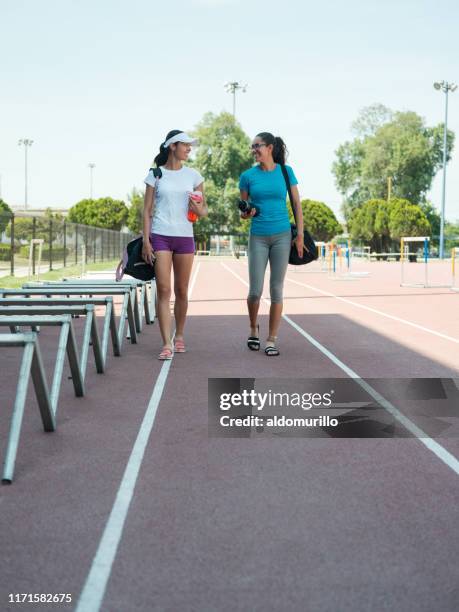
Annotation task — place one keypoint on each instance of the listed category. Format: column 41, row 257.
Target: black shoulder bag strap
column 157, row 172
column 289, row 189
column 309, row 244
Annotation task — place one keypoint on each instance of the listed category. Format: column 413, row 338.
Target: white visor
column 182, row 137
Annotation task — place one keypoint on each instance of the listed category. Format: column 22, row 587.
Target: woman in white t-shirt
column 168, row 238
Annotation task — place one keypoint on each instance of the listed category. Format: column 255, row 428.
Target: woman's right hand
column 147, row 252
column 249, row 215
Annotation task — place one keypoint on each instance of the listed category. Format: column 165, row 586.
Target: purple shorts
column 181, row 245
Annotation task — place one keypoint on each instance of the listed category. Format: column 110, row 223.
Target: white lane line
column 375, row 310
column 379, row 312
column 438, row 450
column 96, row 582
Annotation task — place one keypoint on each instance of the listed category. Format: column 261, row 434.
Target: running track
column 125, row 520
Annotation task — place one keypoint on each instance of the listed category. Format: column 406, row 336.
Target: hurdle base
column 424, row 286
column 342, row 278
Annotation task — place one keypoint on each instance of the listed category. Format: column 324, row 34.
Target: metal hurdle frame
column 349, row 256
column 31, row 363
column 148, row 304
column 127, row 308
column 109, row 325
column 404, row 253
column 89, row 285
column 348, row 274
column 334, row 273
column 365, row 253
column 66, row 344
column 90, row 332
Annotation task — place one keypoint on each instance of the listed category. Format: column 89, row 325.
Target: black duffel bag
column 310, row 252
column 133, row 263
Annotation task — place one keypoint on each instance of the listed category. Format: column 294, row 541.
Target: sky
column 103, row 81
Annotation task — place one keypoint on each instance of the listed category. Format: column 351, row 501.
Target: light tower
column 26, row 143
column 232, row 87
column 446, row 88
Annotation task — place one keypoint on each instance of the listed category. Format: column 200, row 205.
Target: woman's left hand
column 299, row 243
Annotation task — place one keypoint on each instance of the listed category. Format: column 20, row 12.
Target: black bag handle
column 289, row 189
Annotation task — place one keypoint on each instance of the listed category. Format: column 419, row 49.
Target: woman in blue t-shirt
column 270, row 235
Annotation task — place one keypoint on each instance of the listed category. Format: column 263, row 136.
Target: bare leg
column 163, row 267
column 182, row 272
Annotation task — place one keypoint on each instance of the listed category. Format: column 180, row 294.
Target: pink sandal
column 180, row 346
column 165, row 354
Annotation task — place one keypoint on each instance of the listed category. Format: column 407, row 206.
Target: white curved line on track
column 96, row 582
column 376, row 311
column 450, row 460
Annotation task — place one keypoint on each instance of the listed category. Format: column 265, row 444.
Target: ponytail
column 280, row 151
column 163, row 154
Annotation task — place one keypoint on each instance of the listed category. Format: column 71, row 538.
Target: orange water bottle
column 196, row 196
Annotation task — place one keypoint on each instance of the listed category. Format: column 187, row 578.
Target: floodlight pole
column 26, row 143
column 232, row 87
column 446, row 88
column 91, row 179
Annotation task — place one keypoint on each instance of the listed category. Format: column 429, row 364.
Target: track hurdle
column 405, row 253
column 90, row 332
column 343, row 272
column 364, row 252
column 31, row 363
column 143, row 301
column 53, row 291
column 66, row 344
column 109, row 324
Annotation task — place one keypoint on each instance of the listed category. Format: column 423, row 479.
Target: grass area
column 13, row 282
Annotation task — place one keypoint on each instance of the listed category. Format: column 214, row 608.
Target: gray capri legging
column 276, row 249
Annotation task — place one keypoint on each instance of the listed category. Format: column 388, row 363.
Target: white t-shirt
column 171, row 200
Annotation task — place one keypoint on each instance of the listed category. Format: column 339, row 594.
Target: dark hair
column 163, row 154
column 280, row 151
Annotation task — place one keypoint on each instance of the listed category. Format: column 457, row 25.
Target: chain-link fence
column 62, row 244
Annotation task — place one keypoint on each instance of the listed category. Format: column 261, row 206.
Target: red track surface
column 242, row 524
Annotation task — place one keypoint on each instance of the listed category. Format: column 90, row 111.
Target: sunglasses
column 258, row 145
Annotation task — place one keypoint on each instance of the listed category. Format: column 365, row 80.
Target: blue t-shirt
column 268, row 192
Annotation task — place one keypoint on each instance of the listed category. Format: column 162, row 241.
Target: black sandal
column 272, row 351
column 253, row 342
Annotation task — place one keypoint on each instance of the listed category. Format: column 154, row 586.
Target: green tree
column 370, row 223
column 433, row 217
column 451, row 235
column 406, row 219
column 5, row 215
column 106, row 213
column 380, row 223
column 319, row 220
column 223, row 153
column 135, row 214
column 224, row 148
column 397, row 145
column 81, row 212
column 370, row 119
